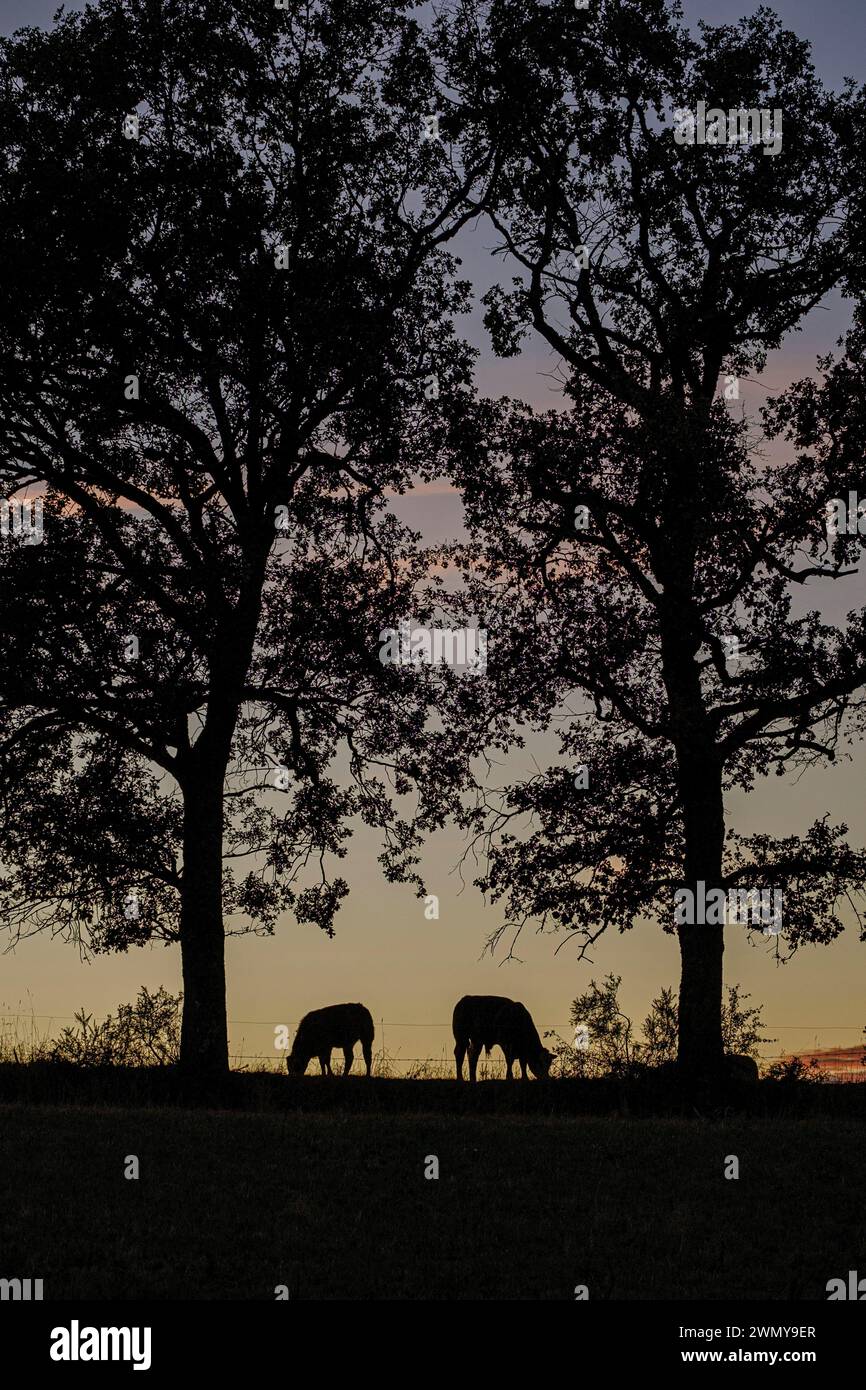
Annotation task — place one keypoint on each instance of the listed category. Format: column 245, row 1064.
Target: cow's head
column 297, row 1063
column 541, row 1064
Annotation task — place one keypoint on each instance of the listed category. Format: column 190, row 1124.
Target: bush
column 143, row 1034
column 795, row 1069
column 610, row 1048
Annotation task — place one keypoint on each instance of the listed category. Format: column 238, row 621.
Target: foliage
column 795, row 1069
column 143, row 1034
column 611, row 1048
column 649, row 550
column 224, row 293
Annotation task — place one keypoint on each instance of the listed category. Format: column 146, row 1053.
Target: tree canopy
column 644, row 548
column 227, row 316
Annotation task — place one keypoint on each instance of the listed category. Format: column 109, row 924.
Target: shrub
column 795, row 1069
column 611, row 1048
column 143, row 1034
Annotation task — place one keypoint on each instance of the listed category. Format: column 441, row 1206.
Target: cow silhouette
column 487, row 1020
column 319, row 1032
column 740, row 1068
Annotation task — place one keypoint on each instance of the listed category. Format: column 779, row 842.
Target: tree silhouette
column 226, row 310
column 664, row 546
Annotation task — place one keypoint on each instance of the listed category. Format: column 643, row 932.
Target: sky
column 410, row 971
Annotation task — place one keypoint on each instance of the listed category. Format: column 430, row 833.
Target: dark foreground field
column 335, row 1204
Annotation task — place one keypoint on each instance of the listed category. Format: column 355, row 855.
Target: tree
column 225, row 312
column 641, row 549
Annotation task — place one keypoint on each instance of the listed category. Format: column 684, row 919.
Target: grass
column 335, row 1204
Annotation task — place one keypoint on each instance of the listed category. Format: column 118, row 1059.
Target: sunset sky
column 410, row 971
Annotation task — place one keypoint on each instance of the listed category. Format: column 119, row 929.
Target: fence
column 843, row 1069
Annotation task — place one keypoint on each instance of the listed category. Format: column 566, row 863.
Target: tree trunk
column 699, row 761
column 701, row 944
column 699, row 774
column 700, row 1048
column 204, row 1030
column 204, row 1049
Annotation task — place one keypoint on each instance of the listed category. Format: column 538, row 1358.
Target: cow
column 740, row 1068
column 487, row 1020
column 319, row 1032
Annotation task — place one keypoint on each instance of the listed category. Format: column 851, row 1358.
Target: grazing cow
column 486, row 1020
column 740, row 1068
column 319, row 1032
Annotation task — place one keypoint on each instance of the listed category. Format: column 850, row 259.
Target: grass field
column 335, row 1205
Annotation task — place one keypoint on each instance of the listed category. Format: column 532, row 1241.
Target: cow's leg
column 523, row 1075
column 509, row 1063
column 368, row 1055
column 459, row 1054
column 474, row 1054
column 325, row 1063
column 348, row 1058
